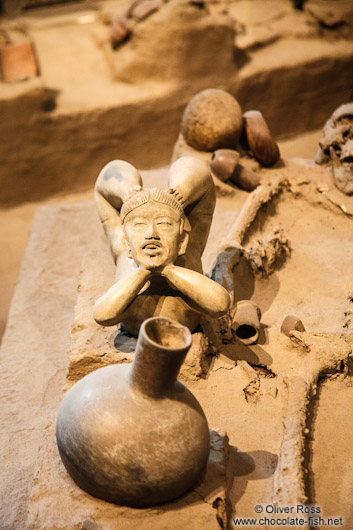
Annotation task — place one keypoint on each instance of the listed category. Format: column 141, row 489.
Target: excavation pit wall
column 90, row 104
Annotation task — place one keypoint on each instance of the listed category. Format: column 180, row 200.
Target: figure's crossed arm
column 109, row 308
column 203, row 295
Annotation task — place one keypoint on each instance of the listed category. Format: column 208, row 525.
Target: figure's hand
column 164, row 270
column 144, row 273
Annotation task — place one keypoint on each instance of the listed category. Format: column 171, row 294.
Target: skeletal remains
column 313, row 357
column 336, row 145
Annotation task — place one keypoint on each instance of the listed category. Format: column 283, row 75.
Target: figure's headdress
column 171, row 197
column 121, row 185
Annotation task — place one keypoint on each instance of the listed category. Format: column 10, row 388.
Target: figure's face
column 154, row 235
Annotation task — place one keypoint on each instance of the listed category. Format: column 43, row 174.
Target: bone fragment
column 289, row 479
column 231, row 248
column 318, row 355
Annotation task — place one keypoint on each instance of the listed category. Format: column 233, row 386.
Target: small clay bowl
column 224, row 162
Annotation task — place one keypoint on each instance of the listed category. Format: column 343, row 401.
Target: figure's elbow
column 221, row 303
column 104, row 317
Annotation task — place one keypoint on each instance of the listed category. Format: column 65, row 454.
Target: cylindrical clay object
column 246, row 321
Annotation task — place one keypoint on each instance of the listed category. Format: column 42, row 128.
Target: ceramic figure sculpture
column 157, row 238
column 133, row 434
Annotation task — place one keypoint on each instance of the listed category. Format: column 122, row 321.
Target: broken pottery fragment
column 291, row 323
column 246, row 321
column 132, row 434
column 157, row 238
column 259, row 139
column 224, row 162
column 212, row 120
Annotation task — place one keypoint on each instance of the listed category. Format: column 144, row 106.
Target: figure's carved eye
column 140, row 223
column 164, row 223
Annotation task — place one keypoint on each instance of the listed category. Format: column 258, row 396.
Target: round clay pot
column 132, row 434
column 224, row 162
column 212, row 120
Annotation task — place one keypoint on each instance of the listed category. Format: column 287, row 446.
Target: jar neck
column 161, row 349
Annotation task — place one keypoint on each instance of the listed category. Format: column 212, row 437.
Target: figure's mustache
column 151, row 244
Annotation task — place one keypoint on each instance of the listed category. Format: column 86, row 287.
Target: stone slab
column 35, row 347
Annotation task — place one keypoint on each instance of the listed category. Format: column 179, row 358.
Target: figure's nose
column 151, row 232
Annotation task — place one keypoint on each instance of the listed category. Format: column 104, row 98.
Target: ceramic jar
column 132, row 434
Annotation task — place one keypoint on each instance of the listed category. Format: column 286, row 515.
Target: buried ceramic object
column 291, row 323
column 157, row 238
column 224, row 165
column 246, row 321
column 212, row 120
column 224, row 162
column 244, row 178
column 259, row 139
column 132, row 434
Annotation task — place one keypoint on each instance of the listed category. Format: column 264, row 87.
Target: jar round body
column 125, row 447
